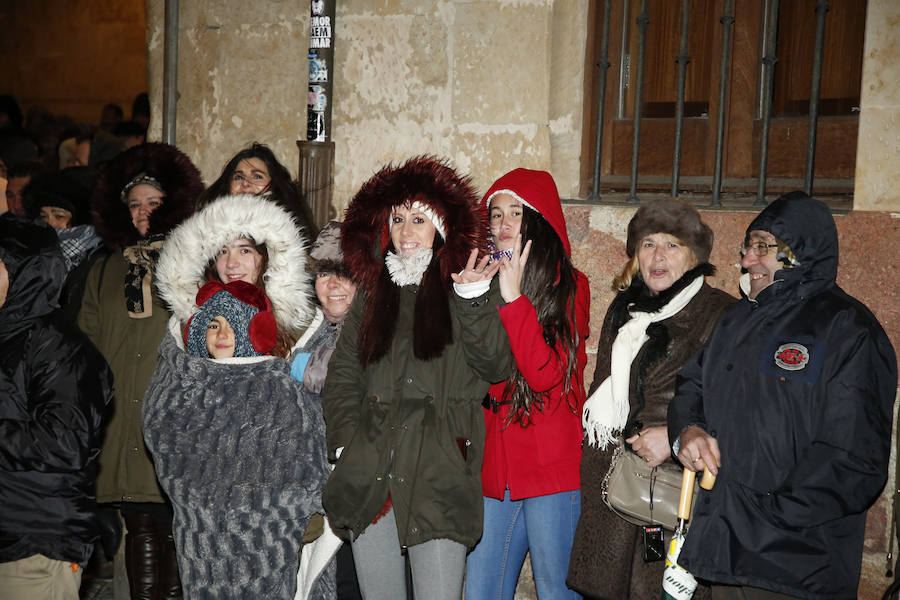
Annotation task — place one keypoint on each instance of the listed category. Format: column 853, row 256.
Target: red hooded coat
column 544, row 457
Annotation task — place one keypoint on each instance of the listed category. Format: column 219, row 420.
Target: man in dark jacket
column 54, row 392
column 790, row 402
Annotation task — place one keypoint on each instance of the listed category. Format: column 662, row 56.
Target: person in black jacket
column 790, row 403
column 55, row 389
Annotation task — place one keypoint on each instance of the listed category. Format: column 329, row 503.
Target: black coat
column 54, row 392
column 798, row 388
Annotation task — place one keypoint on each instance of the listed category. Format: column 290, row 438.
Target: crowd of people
column 395, row 406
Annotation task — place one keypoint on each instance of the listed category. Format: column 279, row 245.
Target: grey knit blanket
column 240, row 450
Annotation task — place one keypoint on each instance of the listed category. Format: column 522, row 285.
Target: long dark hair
column 549, row 282
column 281, row 189
column 432, row 323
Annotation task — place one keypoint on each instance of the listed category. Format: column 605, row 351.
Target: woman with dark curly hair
column 139, row 197
column 255, row 171
column 532, row 496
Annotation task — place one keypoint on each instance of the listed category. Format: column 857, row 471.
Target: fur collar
column 408, row 270
column 190, row 247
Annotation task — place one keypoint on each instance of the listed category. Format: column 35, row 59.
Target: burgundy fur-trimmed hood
column 176, row 173
column 365, row 235
column 365, row 238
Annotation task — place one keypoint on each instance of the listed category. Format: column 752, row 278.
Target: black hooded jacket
column 54, row 392
column 798, row 387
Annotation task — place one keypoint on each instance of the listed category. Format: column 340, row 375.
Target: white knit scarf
column 606, row 411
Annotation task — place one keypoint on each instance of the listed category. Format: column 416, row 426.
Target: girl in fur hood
column 402, row 398
column 239, row 448
column 244, row 238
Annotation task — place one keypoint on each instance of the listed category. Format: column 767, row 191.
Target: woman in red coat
column 530, row 474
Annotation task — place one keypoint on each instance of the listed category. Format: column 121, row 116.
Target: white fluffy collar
column 408, row 270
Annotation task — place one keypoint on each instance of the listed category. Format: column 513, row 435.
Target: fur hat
column 325, row 254
column 366, row 238
column 678, row 218
column 246, row 309
column 176, row 174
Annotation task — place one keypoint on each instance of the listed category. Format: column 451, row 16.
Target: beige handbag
column 640, row 494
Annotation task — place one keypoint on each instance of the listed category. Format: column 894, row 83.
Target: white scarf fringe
column 409, row 269
column 606, row 411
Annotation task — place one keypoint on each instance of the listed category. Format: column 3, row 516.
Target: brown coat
column 606, row 554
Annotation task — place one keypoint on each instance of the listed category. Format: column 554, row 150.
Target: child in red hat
column 238, row 445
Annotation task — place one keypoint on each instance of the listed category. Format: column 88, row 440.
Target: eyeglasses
column 759, row 248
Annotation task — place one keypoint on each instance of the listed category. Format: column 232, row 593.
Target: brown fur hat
column 675, row 217
column 325, row 254
column 365, row 239
column 174, row 171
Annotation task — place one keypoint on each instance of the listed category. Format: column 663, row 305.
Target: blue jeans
column 545, row 525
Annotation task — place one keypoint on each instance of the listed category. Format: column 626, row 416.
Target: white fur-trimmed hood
column 191, row 245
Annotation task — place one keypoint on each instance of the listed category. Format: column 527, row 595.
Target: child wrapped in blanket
column 239, row 447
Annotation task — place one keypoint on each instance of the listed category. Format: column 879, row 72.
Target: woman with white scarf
column 664, row 311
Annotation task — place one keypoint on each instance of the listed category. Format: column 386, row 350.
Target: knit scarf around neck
column 141, row 260
column 606, row 411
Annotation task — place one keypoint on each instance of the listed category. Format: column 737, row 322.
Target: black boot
column 170, row 582
column 150, row 552
column 142, row 552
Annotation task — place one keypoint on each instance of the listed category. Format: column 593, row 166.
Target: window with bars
column 716, row 98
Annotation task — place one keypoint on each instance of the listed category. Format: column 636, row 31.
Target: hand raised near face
column 476, row 270
column 512, row 269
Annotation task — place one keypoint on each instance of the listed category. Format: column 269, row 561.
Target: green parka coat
column 414, row 361
column 130, row 345
column 414, row 428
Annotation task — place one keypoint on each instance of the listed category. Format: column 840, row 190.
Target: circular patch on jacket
column 792, row 356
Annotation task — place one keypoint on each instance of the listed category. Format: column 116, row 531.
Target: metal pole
column 682, row 60
column 603, row 65
column 727, row 21
column 821, row 10
column 768, row 63
column 170, row 72
column 642, row 22
column 316, row 172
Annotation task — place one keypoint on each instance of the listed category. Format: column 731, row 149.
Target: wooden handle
column 687, row 494
column 708, row 480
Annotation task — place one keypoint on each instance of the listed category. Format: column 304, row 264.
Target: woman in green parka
column 402, row 400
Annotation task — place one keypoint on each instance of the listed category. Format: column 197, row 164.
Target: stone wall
column 242, row 77
column 73, row 59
